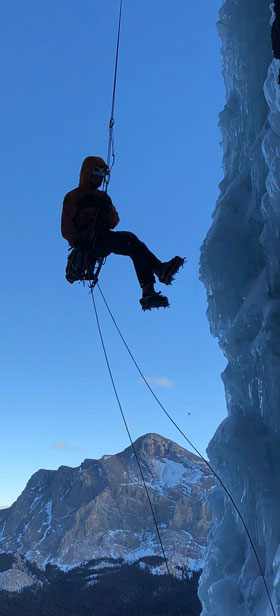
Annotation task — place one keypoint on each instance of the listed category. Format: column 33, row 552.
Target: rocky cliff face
column 240, row 267
column 100, row 509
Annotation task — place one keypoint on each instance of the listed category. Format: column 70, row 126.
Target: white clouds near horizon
column 159, row 381
column 61, row 446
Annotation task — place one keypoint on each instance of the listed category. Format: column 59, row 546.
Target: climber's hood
column 90, row 163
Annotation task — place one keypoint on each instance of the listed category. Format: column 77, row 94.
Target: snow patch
column 48, row 510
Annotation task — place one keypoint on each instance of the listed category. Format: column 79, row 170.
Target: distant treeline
column 123, row 590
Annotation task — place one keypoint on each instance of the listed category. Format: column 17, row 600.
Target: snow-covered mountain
column 100, row 509
column 240, row 266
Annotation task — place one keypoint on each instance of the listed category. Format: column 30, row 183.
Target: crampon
column 154, row 300
column 169, row 269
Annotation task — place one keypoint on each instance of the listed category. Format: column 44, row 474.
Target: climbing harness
column 239, row 514
column 84, row 266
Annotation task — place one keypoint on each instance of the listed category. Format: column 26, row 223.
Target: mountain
column 100, row 509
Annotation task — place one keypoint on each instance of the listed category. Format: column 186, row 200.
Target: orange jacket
column 85, row 205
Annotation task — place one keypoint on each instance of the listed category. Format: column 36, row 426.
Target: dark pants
column 126, row 243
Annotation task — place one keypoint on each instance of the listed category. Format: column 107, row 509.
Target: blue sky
column 57, row 404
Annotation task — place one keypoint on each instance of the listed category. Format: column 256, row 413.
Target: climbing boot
column 169, row 269
column 153, row 300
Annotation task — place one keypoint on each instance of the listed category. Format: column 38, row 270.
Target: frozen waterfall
column 240, row 267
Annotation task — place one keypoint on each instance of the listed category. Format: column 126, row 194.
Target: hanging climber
column 88, row 217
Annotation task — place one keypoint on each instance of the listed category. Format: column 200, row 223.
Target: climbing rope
column 110, row 154
column 188, row 441
column 111, row 146
column 129, row 435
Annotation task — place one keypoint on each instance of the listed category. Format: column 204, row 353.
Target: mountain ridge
column 100, row 510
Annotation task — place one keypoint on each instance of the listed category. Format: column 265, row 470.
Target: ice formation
column 240, row 267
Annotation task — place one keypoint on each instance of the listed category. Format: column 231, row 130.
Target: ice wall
column 240, row 267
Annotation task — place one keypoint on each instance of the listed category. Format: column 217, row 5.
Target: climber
column 88, row 217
